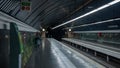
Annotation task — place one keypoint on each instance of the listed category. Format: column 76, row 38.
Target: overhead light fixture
column 70, row 30
column 100, row 22
column 43, row 29
column 84, row 15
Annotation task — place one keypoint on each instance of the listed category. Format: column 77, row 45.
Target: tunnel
column 59, row 33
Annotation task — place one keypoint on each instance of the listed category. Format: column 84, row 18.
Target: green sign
column 25, row 3
column 26, row 6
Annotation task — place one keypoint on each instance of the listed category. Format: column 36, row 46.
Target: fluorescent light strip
column 94, row 23
column 98, row 9
column 102, row 31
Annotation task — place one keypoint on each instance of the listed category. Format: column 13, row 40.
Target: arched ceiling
column 45, row 13
column 50, row 13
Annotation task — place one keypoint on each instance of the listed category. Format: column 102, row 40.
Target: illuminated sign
column 25, row 5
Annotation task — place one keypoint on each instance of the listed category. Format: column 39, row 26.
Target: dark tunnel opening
column 57, row 33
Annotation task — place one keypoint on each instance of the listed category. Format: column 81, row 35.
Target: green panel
column 21, row 43
column 15, row 45
column 25, row 3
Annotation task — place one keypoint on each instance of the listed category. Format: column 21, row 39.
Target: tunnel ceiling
column 50, row 13
column 45, row 13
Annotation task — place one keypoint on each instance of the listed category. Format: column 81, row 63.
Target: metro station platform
column 107, row 54
column 70, row 33
column 54, row 54
column 97, row 47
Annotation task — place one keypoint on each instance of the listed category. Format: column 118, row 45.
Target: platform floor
column 52, row 55
column 106, row 46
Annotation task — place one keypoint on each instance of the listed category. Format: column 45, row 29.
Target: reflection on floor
column 51, row 54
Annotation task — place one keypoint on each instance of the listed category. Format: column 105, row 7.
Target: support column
column 43, row 34
column 69, row 33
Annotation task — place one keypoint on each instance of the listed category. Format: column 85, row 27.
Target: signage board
column 25, row 5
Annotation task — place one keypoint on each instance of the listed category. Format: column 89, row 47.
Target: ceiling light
column 100, row 22
column 98, row 9
column 43, row 29
column 69, row 29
